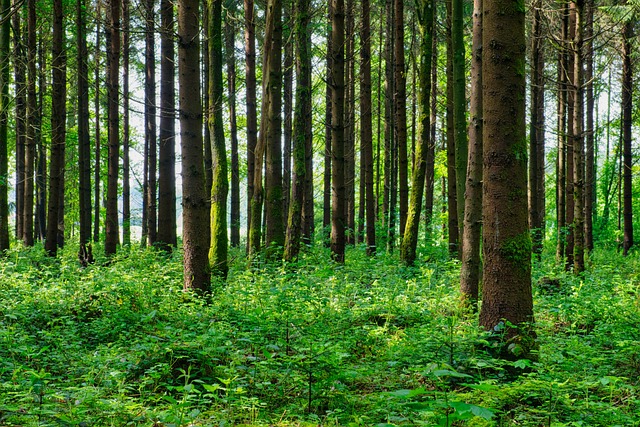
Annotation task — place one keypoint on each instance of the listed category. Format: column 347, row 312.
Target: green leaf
column 406, row 393
column 449, row 373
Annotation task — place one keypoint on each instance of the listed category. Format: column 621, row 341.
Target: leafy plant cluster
column 368, row 343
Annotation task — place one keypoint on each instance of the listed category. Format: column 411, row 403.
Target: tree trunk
column 459, row 110
column 349, row 125
column 401, row 114
column 30, row 143
column 126, row 186
column 5, row 10
column 84, row 144
column 627, row 122
column 326, row 189
column 471, row 232
column 150, row 121
column 562, row 146
column 230, row 37
column 506, row 295
column 590, row 166
column 452, row 197
column 113, row 89
column 19, row 63
column 366, row 131
column 252, row 120
column 287, row 97
column 97, row 150
column 58, row 128
column 431, row 149
column 410, row 239
column 167, row 163
column 578, row 143
column 569, row 200
column 41, row 155
column 220, row 183
column 338, row 220
column 195, row 207
column 301, row 127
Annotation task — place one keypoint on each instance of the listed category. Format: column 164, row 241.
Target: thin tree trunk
column 230, row 37
column 126, row 187
column 471, row 232
column 5, row 10
column 150, row 121
column 252, row 120
column 431, row 149
column 58, row 128
column 410, row 239
column 562, row 146
column 627, row 121
column 19, row 63
column 84, row 144
column 167, row 237
column 590, row 167
column 401, row 114
column 326, row 189
column 41, row 155
column 97, row 150
column 569, row 175
column 459, row 110
column 366, row 131
column 30, row 144
column 578, row 143
column 349, row 131
column 287, row 128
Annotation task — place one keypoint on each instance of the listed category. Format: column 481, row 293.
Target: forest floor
column 368, row 343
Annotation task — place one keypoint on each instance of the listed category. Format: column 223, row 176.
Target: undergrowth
column 313, row 343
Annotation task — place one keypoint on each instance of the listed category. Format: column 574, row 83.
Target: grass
column 367, row 343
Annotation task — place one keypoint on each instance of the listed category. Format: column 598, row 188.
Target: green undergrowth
column 368, row 343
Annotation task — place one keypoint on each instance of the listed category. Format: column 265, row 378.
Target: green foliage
column 369, row 343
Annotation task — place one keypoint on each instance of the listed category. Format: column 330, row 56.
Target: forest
column 304, row 213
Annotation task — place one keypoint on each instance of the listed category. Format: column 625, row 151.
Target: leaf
column 406, row 393
column 449, row 373
column 482, row 386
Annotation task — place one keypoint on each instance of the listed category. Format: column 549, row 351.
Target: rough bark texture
column 366, row 131
column 452, row 198
column 338, row 220
column 569, row 200
column 84, row 144
column 19, row 64
column 287, row 99
column 250, row 82
column 400, row 82
column 150, row 134
column 167, row 237
column 459, row 110
column 410, row 239
column 326, row 182
column 220, row 182
column 97, row 150
column 349, row 125
column 230, row 37
column 627, row 121
column 536, row 133
column 562, row 150
column 578, row 143
column 590, row 167
column 195, row 214
column 58, row 128
column 471, row 232
column 126, row 170
column 506, row 295
column 431, row 149
column 301, row 127
column 30, row 142
column 5, row 7
column 113, row 90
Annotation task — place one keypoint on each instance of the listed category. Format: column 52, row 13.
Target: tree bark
column 472, row 229
column 230, row 37
column 19, row 63
column 150, row 122
column 5, row 10
column 97, row 149
column 590, row 166
column 506, row 295
column 252, row 120
column 195, row 214
column 126, row 133
column 366, row 128
column 167, row 237
column 58, row 127
column 578, row 142
column 401, row 114
column 326, row 189
column 459, row 111
column 220, row 182
column 84, row 144
column 627, row 122
column 338, row 220
column 452, row 195
column 410, row 239
column 30, row 143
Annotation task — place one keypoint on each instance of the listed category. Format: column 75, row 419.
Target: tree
column 167, row 156
column 401, row 112
column 459, row 109
column 252, row 119
column 5, row 10
column 471, row 231
column 506, row 296
column 126, row 131
column 150, row 123
column 452, row 196
column 113, row 90
column 32, row 124
column 220, row 183
column 195, row 214
column 19, row 64
column 366, row 131
column 627, row 121
column 338, row 219
column 410, row 239
column 58, row 128
column 578, row 140
column 97, row 143
column 230, row 38
column 84, row 144
column 302, row 127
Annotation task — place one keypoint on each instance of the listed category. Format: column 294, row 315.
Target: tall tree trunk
column 220, row 182
column 97, row 149
column 390, row 157
column 167, row 237
column 30, row 144
column 230, row 38
column 195, row 214
column 431, row 149
column 459, row 109
column 5, row 10
column 150, row 121
column 627, row 121
column 561, row 180
column 536, row 133
column 19, row 63
column 252, row 120
column 506, row 295
column 366, row 131
column 326, row 189
column 302, row 126
column 287, row 97
column 471, row 232
column 410, row 240
column 590, row 167
column 401, row 113
column 84, row 144
column 578, row 142
column 349, row 125
column 126, row 187
column 569, row 188
column 338, row 220
column 41, row 155
column 58, row 127
column 452, row 197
